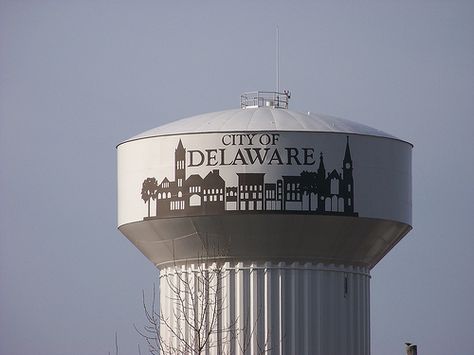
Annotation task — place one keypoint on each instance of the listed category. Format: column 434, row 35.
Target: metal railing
column 265, row 99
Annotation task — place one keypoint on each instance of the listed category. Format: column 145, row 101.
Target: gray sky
column 78, row 77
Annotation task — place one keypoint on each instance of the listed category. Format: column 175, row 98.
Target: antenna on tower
column 277, row 59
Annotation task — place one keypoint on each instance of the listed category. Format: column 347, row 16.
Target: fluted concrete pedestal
column 267, row 308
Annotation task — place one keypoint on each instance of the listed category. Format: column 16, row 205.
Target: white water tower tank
column 300, row 206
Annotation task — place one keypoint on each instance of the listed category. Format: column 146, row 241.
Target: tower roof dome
column 261, row 119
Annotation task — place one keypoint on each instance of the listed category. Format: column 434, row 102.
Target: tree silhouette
column 309, row 185
column 190, row 317
column 149, row 190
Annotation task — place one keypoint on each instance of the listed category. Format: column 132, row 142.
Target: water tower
column 296, row 208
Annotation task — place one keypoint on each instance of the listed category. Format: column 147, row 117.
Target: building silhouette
column 250, row 191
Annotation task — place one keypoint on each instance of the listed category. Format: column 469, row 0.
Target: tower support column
column 277, row 308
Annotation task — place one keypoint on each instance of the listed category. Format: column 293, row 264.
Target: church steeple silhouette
column 321, row 169
column 180, row 164
column 347, row 183
column 321, row 183
column 347, row 155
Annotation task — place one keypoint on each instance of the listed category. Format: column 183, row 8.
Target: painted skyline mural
column 320, row 191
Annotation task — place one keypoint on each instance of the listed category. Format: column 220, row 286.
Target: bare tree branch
column 190, row 316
